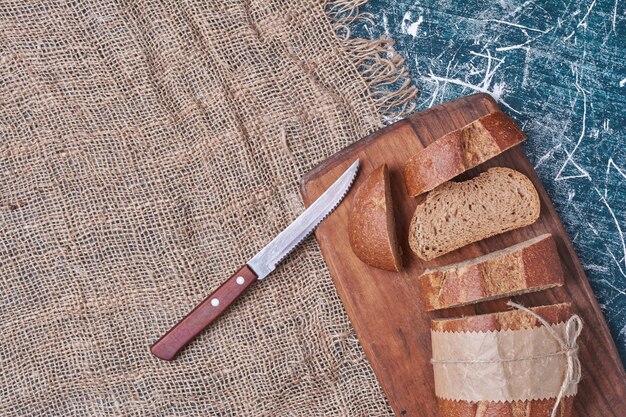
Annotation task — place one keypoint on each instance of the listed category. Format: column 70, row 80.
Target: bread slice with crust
column 508, row 320
column 504, row 320
column 371, row 226
column 459, row 151
column 529, row 266
column 457, row 214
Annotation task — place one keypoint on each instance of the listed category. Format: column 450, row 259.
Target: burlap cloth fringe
column 148, row 149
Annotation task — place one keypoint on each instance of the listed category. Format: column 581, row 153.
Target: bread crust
column 460, row 150
column 505, row 320
column 529, row 266
column 509, row 320
column 371, row 225
column 428, row 247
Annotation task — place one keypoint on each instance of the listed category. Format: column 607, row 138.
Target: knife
column 257, row 268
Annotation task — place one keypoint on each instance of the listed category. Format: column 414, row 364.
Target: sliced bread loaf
column 456, row 214
column 459, row 151
column 371, row 226
column 529, row 266
column 509, row 320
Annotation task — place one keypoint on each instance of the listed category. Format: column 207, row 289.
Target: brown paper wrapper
column 509, row 365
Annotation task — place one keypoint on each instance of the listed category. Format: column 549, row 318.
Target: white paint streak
column 610, row 284
column 598, row 268
column 408, row 27
column 606, row 176
column 415, row 25
column 445, row 84
column 619, row 228
column 489, row 73
column 517, row 25
column 622, row 83
column 618, row 263
column 548, row 155
column 570, row 156
column 485, row 86
column 486, row 56
column 526, row 71
column 385, row 24
column 521, row 7
column 583, row 21
column 522, row 45
column 612, row 164
column 496, row 92
column 570, row 195
column 614, row 15
column 510, row 48
column 583, row 173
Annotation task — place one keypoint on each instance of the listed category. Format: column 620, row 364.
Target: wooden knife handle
column 168, row 346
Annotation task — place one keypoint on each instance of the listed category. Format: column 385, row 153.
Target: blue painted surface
column 559, row 69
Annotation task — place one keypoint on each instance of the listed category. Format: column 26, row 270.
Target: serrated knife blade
column 259, row 267
column 264, row 262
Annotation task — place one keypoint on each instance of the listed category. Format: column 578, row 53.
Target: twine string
column 569, row 347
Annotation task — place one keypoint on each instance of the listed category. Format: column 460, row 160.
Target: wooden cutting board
column 384, row 307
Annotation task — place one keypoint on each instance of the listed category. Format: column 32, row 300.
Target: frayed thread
column 383, row 69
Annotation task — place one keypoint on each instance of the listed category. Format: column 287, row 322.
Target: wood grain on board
column 384, row 307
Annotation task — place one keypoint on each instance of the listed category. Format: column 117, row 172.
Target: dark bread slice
column 509, row 320
column 459, row 151
column 533, row 265
column 371, row 226
column 457, row 214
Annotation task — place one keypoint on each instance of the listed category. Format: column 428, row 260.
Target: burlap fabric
column 147, row 150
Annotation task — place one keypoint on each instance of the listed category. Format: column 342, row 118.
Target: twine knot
column 569, row 347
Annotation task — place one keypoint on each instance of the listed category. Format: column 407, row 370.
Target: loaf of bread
column 459, row 151
column 509, row 320
column 371, row 225
column 456, row 214
column 533, row 265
